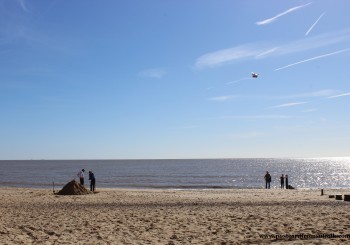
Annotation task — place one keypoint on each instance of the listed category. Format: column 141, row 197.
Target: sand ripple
column 119, row 216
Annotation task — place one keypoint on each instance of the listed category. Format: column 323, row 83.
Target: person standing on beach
column 92, row 181
column 286, row 179
column 267, row 180
column 81, row 176
column 282, row 181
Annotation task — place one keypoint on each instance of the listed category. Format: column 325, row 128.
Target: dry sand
column 124, row 216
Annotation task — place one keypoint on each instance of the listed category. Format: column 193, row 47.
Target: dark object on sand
column 347, row 198
column 331, row 196
column 290, row 187
column 321, row 192
column 73, row 188
column 338, row 197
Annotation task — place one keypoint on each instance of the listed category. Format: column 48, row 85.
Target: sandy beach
column 125, row 216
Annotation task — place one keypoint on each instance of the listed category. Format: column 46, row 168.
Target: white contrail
column 266, row 52
column 314, row 58
column 339, row 95
column 314, row 24
column 268, row 21
column 289, row 104
column 236, row 81
column 260, row 50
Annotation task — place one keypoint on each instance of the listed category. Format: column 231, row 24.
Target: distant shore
column 158, row 216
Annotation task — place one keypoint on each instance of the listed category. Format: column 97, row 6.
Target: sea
column 243, row 173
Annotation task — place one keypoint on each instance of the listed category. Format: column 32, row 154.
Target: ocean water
column 180, row 174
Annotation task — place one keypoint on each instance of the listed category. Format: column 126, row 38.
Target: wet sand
column 126, row 216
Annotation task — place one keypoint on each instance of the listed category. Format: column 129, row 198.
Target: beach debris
column 347, row 198
column 331, row 196
column 173, row 236
column 338, row 197
column 73, row 188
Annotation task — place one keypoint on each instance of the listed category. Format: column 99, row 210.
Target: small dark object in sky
column 255, row 75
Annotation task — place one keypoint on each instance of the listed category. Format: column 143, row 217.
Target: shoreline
column 87, row 186
column 153, row 216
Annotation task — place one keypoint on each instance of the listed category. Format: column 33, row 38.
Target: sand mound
column 73, row 188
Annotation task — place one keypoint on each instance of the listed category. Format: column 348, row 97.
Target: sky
column 164, row 79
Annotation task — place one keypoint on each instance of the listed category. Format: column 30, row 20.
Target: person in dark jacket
column 282, row 181
column 92, row 181
column 286, row 179
column 267, row 180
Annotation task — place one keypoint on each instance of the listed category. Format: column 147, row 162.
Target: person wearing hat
column 81, row 176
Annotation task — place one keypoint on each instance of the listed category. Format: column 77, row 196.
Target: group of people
column 267, row 177
column 91, row 178
column 283, row 179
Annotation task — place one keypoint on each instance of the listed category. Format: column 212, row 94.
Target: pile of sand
column 73, row 188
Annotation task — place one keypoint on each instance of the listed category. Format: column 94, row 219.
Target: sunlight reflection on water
column 194, row 173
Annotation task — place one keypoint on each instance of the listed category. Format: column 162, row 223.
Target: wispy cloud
column 289, row 104
column 314, row 24
column 313, row 58
column 270, row 20
column 306, row 96
column 320, row 93
column 309, row 110
column 23, row 5
column 257, row 117
column 22, row 33
column 227, row 55
column 313, row 42
column 239, row 80
column 261, row 50
column 222, row 98
column 153, row 73
column 339, row 95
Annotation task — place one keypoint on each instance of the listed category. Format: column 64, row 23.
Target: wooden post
column 321, row 192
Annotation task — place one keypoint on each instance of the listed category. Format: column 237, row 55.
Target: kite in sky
column 255, row 75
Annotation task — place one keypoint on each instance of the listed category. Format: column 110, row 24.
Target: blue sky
column 172, row 79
